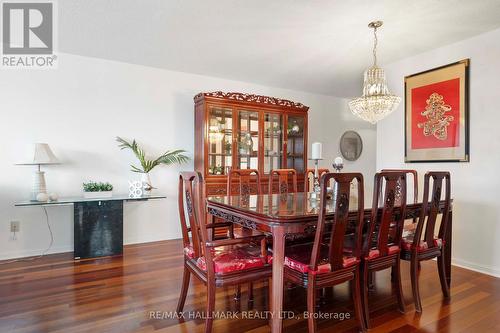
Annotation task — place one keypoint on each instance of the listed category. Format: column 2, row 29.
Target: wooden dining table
column 290, row 216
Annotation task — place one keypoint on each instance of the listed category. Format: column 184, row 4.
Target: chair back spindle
column 386, row 187
column 430, row 209
column 283, row 180
column 187, row 201
column 414, row 176
column 245, row 179
column 337, row 233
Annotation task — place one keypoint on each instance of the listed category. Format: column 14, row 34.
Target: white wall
column 475, row 185
column 83, row 105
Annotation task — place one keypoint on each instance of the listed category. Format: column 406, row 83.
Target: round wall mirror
column 351, row 145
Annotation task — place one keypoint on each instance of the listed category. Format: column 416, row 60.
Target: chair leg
column 210, row 306
column 414, row 284
column 250, row 292
column 356, row 298
column 371, row 281
column 396, row 272
column 184, row 289
column 442, row 276
column 270, row 297
column 311, row 304
column 364, row 293
column 212, row 221
column 237, row 293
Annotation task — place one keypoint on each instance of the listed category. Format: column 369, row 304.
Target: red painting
column 435, row 115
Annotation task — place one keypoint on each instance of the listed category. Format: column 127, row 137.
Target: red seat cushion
column 407, row 242
column 189, row 251
column 375, row 253
column 298, row 258
column 232, row 258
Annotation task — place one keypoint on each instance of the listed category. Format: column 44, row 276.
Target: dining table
column 290, row 216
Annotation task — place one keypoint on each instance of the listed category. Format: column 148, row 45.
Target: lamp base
column 39, row 185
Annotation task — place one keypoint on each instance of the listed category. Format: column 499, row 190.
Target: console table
column 98, row 223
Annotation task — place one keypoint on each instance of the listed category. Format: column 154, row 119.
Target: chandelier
column 377, row 102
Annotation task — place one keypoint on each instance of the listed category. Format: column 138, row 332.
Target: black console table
column 98, row 223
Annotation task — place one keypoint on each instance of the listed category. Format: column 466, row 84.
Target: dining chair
column 414, row 176
column 407, row 227
column 323, row 264
column 283, row 181
column 248, row 181
column 216, row 263
column 308, row 184
column 423, row 244
column 380, row 251
column 245, row 178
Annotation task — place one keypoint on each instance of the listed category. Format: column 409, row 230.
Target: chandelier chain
column 375, row 42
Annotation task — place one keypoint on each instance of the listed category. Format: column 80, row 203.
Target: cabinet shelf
column 219, row 154
column 272, row 136
column 247, row 155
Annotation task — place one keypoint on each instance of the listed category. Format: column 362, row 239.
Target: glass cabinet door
column 273, row 141
column 247, row 154
column 295, row 143
column 220, row 138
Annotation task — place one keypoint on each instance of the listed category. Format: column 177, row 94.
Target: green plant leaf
column 168, row 158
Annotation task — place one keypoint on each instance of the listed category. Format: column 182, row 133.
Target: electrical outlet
column 15, row 226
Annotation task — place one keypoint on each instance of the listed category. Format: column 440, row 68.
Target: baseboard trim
column 488, row 270
column 62, row 249
column 34, row 253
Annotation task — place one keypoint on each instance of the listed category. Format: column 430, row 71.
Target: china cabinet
column 245, row 131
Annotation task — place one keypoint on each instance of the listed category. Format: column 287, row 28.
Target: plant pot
column 147, row 187
column 96, row 195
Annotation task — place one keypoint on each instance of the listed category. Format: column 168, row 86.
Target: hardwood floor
column 57, row 294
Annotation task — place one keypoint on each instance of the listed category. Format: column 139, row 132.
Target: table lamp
column 41, row 154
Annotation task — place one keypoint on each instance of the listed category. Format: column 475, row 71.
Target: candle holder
column 338, row 166
column 315, row 194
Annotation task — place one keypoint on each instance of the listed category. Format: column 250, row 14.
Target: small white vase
column 147, row 187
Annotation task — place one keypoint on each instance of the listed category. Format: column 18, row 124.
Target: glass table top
column 280, row 205
column 71, row 200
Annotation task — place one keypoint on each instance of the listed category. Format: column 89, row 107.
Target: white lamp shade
column 40, row 154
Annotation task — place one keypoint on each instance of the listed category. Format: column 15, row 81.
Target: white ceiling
column 315, row 46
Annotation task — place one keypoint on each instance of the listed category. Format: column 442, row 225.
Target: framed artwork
column 437, row 114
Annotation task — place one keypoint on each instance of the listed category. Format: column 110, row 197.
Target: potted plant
column 169, row 157
column 97, row 190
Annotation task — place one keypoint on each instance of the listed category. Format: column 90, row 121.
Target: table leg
column 447, row 249
column 277, row 280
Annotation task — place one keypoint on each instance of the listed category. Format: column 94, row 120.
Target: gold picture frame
column 437, row 114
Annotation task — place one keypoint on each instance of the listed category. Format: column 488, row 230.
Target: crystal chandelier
column 377, row 102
